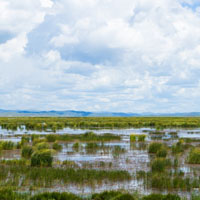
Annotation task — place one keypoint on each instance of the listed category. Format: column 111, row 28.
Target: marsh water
column 131, row 157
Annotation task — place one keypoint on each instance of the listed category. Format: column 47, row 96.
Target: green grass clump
column 161, row 197
column 112, row 195
column 154, row 147
column 179, row 147
column 162, row 153
column 7, row 145
column 194, row 156
column 14, row 162
column 141, row 138
column 117, row 150
column 160, row 164
column 107, row 195
column 55, row 196
column 133, row 138
column 25, row 139
column 42, row 145
column 42, row 158
column 51, row 138
column 57, row 147
column 124, row 197
column 137, row 137
column 69, row 164
column 34, row 137
column 27, row 152
column 92, row 147
column 8, row 194
column 76, row 146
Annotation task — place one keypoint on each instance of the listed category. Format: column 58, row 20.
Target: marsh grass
column 162, row 152
column 117, row 151
column 42, row 158
column 70, row 164
column 58, row 123
column 48, row 177
column 26, row 152
column 15, row 162
column 42, row 145
column 194, row 156
column 86, row 137
column 154, row 147
column 56, row 146
column 7, row 145
column 92, row 147
column 137, row 137
column 76, row 146
column 160, row 164
column 180, row 147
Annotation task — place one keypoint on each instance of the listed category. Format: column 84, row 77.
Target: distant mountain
column 73, row 113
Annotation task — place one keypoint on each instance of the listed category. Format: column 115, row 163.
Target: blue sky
column 100, row 55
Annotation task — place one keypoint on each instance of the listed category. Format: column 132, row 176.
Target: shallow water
column 135, row 157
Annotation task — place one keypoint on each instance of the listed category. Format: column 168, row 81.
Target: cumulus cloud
column 100, row 55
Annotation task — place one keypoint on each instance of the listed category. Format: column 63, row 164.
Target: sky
column 100, row 55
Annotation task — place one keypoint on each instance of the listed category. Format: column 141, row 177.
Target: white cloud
column 113, row 55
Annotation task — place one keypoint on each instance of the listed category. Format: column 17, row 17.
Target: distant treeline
column 58, row 123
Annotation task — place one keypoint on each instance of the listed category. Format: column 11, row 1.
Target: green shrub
column 42, row 158
column 27, row 152
column 155, row 147
column 194, row 156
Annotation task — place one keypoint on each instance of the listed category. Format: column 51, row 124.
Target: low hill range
column 73, row 113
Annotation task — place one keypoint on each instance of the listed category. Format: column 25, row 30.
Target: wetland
column 93, row 157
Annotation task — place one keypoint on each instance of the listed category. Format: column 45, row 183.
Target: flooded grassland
column 85, row 161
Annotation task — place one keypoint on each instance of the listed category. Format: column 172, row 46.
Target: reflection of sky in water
column 183, row 133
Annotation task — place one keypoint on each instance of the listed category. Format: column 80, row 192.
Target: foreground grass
column 7, row 194
column 25, row 176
